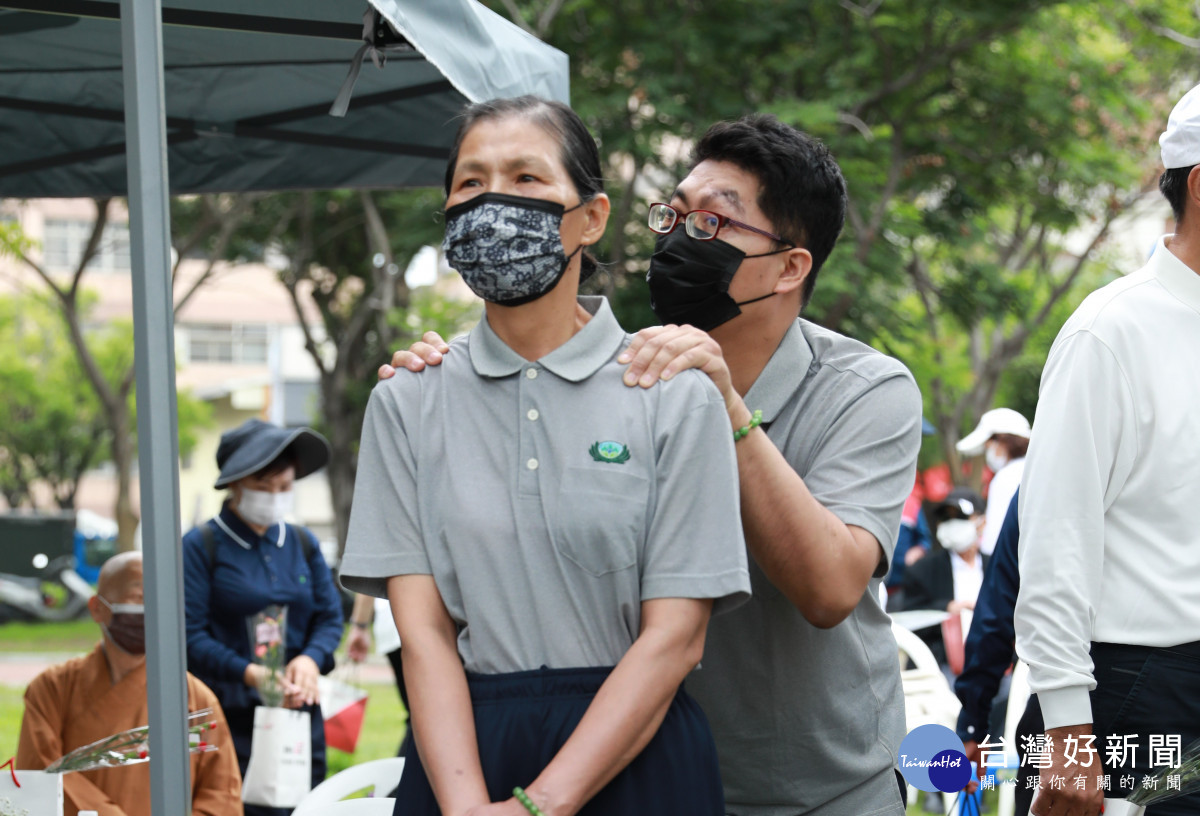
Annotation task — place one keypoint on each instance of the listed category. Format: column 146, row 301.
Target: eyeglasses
column 701, row 225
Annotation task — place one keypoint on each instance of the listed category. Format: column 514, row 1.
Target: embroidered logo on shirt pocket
column 600, row 520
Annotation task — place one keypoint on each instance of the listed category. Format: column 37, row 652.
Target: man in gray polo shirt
column 802, row 683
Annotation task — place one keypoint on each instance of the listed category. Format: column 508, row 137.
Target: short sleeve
column 863, row 468
column 385, row 538
column 695, row 547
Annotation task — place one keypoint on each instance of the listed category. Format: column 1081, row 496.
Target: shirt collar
column 1177, row 277
column 575, row 360
column 240, row 532
column 782, row 374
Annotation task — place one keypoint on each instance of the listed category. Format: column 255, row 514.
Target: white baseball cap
column 995, row 421
column 1180, row 142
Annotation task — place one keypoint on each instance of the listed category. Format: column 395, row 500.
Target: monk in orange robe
column 103, row 693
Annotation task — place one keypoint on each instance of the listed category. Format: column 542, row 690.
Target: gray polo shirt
column 808, row 721
column 547, row 499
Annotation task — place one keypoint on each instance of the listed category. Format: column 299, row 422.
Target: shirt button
column 267, row 558
column 532, row 464
column 533, row 414
column 531, row 373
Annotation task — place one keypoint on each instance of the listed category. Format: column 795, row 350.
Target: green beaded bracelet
column 524, row 799
column 755, row 421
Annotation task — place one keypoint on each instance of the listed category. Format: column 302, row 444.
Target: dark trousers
column 523, row 718
column 1147, row 692
column 396, row 659
column 1029, row 725
column 241, row 728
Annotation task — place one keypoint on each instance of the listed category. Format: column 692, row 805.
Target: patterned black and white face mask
column 507, row 248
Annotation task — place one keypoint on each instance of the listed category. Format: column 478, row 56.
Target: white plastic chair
column 382, row 775
column 928, row 698
column 361, row 807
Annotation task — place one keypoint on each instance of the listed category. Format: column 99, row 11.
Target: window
column 237, row 343
column 65, row 240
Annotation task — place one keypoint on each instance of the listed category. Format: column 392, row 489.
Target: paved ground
column 17, row 669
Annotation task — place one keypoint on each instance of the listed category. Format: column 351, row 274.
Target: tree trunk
column 343, row 433
column 122, row 454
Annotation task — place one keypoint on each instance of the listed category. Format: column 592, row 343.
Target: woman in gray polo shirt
column 552, row 543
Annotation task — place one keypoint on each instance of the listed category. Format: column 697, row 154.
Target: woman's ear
column 797, row 263
column 595, row 212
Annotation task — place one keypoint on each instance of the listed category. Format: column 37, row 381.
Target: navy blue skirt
column 522, row 720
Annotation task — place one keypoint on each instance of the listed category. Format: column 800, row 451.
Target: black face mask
column 689, row 280
column 127, row 629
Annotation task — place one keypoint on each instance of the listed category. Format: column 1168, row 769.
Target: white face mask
column 994, row 458
column 263, row 508
column 957, row 535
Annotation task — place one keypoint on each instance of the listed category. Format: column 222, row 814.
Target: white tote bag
column 279, row 773
column 31, row 793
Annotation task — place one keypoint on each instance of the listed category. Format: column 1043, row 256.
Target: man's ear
column 596, row 211
column 1193, row 189
column 797, row 263
column 97, row 609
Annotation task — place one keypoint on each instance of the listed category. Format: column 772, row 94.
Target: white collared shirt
column 1110, row 537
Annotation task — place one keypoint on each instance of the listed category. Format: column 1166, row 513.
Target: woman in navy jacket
column 247, row 558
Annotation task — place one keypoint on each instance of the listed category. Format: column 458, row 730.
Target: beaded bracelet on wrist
column 523, row 798
column 755, row 421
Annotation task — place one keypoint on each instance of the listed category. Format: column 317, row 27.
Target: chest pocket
column 601, row 519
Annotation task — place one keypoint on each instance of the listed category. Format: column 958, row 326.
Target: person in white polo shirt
column 1002, row 436
column 1108, row 615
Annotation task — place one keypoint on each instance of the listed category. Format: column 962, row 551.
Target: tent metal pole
column 157, row 417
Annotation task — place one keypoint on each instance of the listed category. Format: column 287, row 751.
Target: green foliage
column 13, row 240
column 51, row 427
column 52, row 424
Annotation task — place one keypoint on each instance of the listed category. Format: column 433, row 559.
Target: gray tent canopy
column 248, row 89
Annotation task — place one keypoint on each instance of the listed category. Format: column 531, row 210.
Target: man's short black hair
column 802, row 190
column 1173, row 184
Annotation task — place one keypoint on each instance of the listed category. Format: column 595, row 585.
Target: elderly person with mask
column 247, row 558
column 103, row 693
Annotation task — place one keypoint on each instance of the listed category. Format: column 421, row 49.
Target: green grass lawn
column 12, row 704
column 67, row 636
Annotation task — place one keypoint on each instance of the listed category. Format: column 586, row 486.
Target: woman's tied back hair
column 801, row 188
column 579, row 154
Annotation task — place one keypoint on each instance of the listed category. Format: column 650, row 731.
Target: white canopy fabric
column 248, row 88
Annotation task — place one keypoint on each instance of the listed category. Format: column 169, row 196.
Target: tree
column 105, row 356
column 52, row 425
column 51, row 430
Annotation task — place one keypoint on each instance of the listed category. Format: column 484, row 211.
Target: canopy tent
column 87, row 108
column 248, row 88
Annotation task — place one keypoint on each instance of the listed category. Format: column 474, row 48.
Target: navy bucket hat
column 254, row 444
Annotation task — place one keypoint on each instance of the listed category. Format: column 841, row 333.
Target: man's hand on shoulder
column 661, row 352
column 426, row 351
